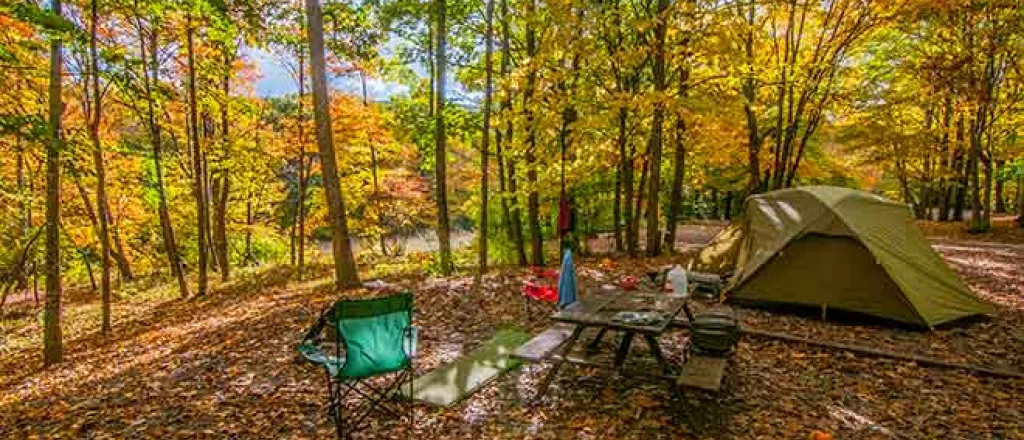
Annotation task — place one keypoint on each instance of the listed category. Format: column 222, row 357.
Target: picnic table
column 652, row 312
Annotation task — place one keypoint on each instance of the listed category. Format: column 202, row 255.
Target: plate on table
column 637, row 318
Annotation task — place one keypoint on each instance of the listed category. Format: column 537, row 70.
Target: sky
column 276, row 81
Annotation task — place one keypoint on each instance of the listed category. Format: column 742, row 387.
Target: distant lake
column 422, row 241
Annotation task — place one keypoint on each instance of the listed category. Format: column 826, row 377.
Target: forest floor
column 224, row 366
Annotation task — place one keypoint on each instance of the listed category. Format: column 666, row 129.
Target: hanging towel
column 567, row 282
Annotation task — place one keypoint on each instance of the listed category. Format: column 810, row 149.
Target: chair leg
column 411, row 408
column 334, row 407
column 339, row 422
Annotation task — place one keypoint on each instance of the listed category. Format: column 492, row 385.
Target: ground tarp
column 450, row 383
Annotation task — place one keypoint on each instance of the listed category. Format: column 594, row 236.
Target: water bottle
column 677, row 277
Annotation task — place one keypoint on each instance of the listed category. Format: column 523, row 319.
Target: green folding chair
column 374, row 337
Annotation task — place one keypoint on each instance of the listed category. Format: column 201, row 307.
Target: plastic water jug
column 677, row 277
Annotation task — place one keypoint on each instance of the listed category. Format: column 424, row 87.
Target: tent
column 719, row 256
column 841, row 249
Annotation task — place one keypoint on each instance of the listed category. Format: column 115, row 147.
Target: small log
column 998, row 372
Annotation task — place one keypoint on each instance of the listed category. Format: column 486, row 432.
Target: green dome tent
column 843, row 249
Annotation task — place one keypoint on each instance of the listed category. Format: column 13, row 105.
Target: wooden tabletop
column 601, row 310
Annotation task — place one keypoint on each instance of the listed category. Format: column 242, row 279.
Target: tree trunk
column 220, row 209
column 94, row 115
column 300, row 202
column 715, row 213
column 440, row 142
column 515, row 223
column 977, row 222
column 986, row 204
column 53, row 349
column 903, row 179
column 373, row 174
column 516, row 214
column 24, row 208
column 1000, row 206
column 486, row 138
column 207, row 134
column 639, row 207
column 749, row 103
column 499, row 157
column 727, row 208
column 945, row 162
column 675, row 206
column 569, row 116
column 198, row 169
column 431, row 38
column 626, row 166
column 249, row 257
column 924, row 206
column 960, row 197
column 117, row 252
column 922, row 209
column 344, row 263
column 221, row 188
column 1020, row 200
column 654, row 144
column 151, row 77
column 533, row 198
column 617, row 210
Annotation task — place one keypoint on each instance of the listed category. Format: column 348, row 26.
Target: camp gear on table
column 706, row 285
column 638, row 318
column 839, row 248
column 629, row 283
column 375, row 338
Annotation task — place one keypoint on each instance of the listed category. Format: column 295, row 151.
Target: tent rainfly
column 842, row 249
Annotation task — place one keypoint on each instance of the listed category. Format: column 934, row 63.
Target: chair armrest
column 410, row 341
column 316, row 355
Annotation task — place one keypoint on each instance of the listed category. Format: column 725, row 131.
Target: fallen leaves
column 224, row 367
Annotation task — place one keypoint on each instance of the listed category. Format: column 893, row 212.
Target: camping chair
column 538, row 299
column 375, row 337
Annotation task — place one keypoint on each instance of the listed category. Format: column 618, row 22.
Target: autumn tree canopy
column 133, row 134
